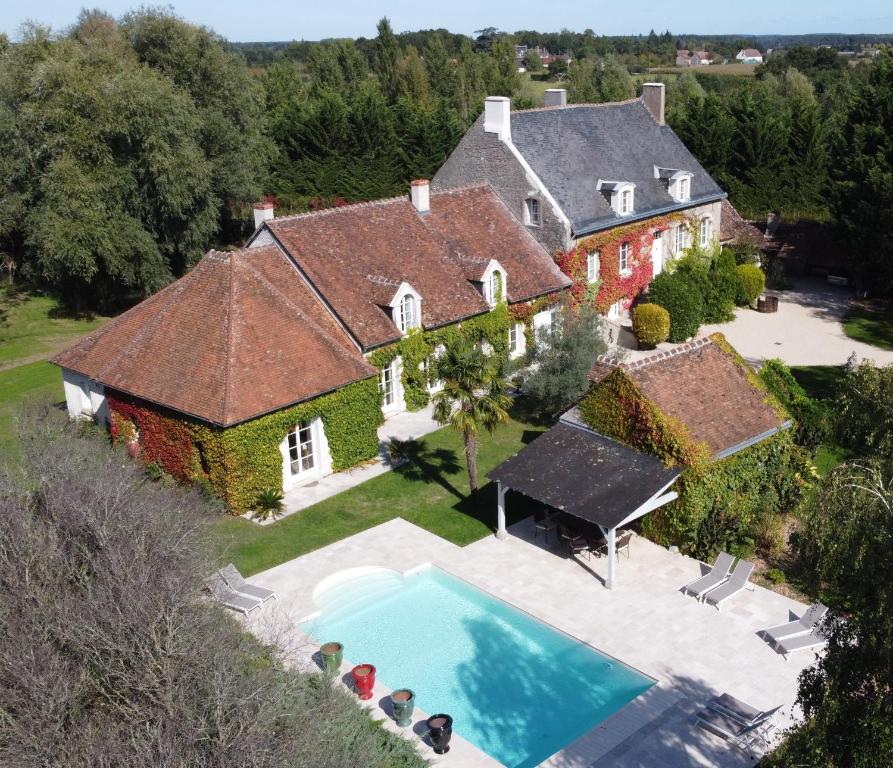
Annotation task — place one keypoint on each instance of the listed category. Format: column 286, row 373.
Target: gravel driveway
column 806, row 330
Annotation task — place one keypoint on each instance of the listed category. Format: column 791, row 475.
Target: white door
column 303, row 460
column 657, row 252
column 389, row 384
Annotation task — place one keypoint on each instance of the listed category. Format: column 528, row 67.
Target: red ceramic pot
column 363, row 680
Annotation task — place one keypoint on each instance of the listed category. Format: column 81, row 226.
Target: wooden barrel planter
column 767, row 304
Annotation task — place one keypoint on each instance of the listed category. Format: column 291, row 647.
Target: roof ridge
column 340, row 208
column 326, row 336
column 559, row 107
column 462, row 188
column 657, row 357
column 227, row 379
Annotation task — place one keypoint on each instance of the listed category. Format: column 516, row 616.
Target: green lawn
column 39, row 380
column 819, row 381
column 431, row 491
column 870, row 327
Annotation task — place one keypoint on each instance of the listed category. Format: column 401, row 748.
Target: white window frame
column 704, row 232
column 593, row 266
column 406, row 313
column 533, row 211
column 684, row 188
column 680, row 239
column 299, row 437
column 624, row 253
column 387, row 385
column 492, row 293
column 626, row 202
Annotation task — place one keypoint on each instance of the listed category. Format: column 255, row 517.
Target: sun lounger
column 234, row 581
column 230, row 599
column 745, row 737
column 808, row 642
column 737, row 581
column 741, row 711
column 813, row 615
column 717, row 575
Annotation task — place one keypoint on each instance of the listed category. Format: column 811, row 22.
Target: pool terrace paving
column 692, row 650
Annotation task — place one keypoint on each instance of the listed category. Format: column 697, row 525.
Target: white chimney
column 497, row 116
column 555, row 97
column 263, row 211
column 419, row 193
column 654, row 97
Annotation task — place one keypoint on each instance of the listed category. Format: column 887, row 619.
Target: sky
column 265, row 20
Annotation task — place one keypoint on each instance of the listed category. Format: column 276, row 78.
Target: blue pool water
column 516, row 688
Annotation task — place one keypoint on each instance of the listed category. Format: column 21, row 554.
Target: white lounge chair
column 717, row 575
column 741, row 711
column 234, row 581
column 230, row 599
column 809, row 642
column 744, row 736
column 812, row 616
column 737, row 581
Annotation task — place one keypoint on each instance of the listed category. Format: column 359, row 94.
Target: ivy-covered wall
column 419, row 345
column 239, row 462
column 720, row 502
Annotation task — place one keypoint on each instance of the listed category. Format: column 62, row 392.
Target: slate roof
column 240, row 335
column 438, row 253
column 571, row 148
column 574, row 469
column 703, row 387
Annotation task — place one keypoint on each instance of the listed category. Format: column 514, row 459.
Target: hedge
column 751, row 283
column 651, row 325
column 814, row 418
column 681, row 297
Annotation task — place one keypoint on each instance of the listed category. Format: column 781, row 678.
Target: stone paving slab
column 693, row 651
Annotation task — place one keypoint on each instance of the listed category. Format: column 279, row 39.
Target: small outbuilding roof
column 588, row 475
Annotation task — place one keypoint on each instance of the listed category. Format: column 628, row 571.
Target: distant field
column 535, row 89
column 735, row 70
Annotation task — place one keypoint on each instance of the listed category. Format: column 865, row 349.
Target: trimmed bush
column 751, row 283
column 651, row 324
column 681, row 297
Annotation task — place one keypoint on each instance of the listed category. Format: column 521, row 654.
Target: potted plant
column 363, row 676
column 129, row 435
column 332, row 654
column 440, row 731
column 268, row 503
column 403, row 702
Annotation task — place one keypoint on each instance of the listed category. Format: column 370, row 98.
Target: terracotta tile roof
column 438, row 253
column 702, row 386
column 240, row 335
column 734, row 228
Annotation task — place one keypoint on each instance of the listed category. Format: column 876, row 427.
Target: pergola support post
column 612, row 556
column 500, row 511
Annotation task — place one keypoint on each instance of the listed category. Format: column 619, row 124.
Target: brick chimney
column 263, row 211
column 497, row 116
column 419, row 193
column 555, row 97
column 654, row 97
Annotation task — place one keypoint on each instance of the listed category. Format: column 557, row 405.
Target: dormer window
column 533, row 212
column 619, row 194
column 407, row 314
column 678, row 182
column 493, row 288
column 684, row 188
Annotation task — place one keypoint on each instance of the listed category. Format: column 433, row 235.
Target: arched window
column 406, row 313
column 493, row 288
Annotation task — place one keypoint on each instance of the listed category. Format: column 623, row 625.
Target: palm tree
column 473, row 396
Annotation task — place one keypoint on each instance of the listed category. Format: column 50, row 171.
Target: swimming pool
column 517, row 689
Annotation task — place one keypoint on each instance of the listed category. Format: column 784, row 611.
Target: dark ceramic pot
column 403, row 702
column 363, row 679
column 332, row 654
column 440, row 731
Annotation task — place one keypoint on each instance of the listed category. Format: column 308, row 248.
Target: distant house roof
column 749, row 53
column 240, row 335
column 734, row 228
column 574, row 469
column 439, row 253
column 703, row 387
column 571, row 148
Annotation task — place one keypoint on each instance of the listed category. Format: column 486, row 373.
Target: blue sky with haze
column 245, row 20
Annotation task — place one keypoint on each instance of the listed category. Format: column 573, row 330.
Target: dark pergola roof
column 585, row 474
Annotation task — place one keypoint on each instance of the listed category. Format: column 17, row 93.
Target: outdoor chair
column 813, row 615
column 737, row 581
column 575, row 542
column 745, row 736
column 717, row 575
column 542, row 523
column 230, row 599
column 811, row 641
column 234, row 581
column 741, row 711
column 622, row 542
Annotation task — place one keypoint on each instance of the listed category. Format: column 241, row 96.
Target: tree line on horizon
column 129, row 147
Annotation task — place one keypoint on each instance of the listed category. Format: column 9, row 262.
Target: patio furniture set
column 230, row 589
column 718, row 585
column 578, row 536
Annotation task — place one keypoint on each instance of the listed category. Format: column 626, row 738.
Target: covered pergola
column 587, row 475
